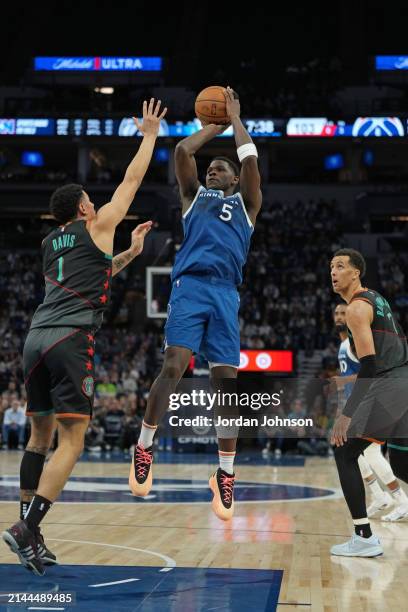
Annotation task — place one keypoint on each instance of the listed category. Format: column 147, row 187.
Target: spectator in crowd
column 94, row 437
column 14, row 422
column 113, row 422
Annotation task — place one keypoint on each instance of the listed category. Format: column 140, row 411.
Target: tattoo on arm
column 40, row 450
column 120, row 261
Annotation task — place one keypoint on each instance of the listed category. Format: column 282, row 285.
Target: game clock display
column 265, row 127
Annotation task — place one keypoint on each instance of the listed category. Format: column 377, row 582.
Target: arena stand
column 295, row 314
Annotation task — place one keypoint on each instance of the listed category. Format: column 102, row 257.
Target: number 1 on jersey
column 60, row 276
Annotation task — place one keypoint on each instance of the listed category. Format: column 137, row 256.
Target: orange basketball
column 210, row 105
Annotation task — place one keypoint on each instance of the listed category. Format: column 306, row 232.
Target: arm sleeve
column 363, row 382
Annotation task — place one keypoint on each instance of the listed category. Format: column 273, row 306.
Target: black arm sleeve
column 362, row 384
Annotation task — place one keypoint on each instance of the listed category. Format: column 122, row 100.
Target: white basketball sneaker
column 379, row 504
column 358, row 547
column 398, row 514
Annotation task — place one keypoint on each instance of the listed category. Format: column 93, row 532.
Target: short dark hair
column 356, row 259
column 231, row 164
column 64, row 202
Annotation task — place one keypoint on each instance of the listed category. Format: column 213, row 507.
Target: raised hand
column 138, row 236
column 151, row 118
column 232, row 103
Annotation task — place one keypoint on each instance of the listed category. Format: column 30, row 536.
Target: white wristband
column 246, row 150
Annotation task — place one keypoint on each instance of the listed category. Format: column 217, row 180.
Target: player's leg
column 61, row 381
column 367, row 463
column 382, row 468
column 32, row 464
column 185, row 325
column 363, row 543
column 42, row 431
column 176, row 360
column 29, row 546
column 398, row 450
column 71, row 436
column 223, row 381
column 221, row 346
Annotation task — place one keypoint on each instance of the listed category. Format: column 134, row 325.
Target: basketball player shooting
column 59, row 349
column 376, row 409
column 203, row 309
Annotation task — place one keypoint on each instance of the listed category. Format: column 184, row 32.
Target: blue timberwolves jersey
column 217, row 233
column 348, row 363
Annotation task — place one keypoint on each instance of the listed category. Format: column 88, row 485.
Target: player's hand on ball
column 138, row 236
column 232, row 103
column 217, row 128
column 340, row 428
column 151, row 118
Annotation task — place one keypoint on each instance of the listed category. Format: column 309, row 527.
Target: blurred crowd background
column 319, row 193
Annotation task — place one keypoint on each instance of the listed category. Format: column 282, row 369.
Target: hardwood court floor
column 294, row 535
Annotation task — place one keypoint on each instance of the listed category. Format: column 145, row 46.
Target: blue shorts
column 202, row 315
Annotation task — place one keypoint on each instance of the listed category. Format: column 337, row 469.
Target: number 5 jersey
column 217, row 233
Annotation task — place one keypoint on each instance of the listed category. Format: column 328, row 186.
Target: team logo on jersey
column 88, row 386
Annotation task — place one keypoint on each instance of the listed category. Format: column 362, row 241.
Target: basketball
column 210, row 105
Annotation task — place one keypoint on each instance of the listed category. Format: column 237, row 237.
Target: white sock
column 399, row 496
column 375, row 489
column 226, row 461
column 146, row 435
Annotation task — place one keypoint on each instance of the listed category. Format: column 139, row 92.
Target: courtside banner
column 391, row 62
column 266, row 361
column 97, row 63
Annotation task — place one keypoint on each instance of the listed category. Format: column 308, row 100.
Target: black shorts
column 383, row 412
column 58, row 367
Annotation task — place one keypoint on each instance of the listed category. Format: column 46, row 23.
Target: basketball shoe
column 222, row 485
column 400, row 512
column 380, row 503
column 358, row 547
column 140, row 476
column 47, row 557
column 23, row 543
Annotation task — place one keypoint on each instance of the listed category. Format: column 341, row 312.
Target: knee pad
column 378, row 463
column 364, row 466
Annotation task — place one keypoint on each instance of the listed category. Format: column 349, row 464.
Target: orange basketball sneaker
column 141, row 477
column 222, row 485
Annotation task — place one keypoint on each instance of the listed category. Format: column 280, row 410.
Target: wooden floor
column 295, row 537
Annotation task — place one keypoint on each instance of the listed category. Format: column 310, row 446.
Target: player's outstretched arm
column 185, row 164
column 121, row 260
column 110, row 215
column 250, row 179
